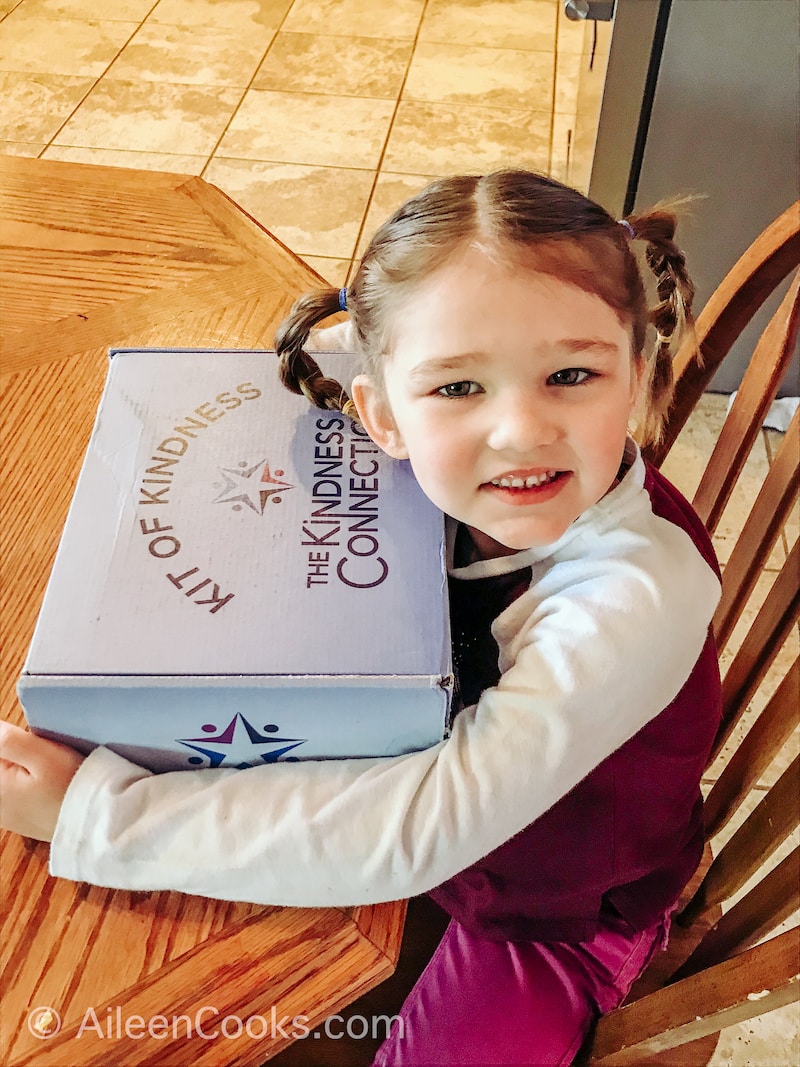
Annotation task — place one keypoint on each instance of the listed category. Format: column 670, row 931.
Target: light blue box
column 241, row 578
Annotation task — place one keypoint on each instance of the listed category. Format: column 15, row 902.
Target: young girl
column 503, row 322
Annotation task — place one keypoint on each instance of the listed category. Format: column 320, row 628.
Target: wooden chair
column 719, row 969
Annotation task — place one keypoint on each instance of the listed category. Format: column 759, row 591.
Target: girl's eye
column 457, row 389
column 570, row 376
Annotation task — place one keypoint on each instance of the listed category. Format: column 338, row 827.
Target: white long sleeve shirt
column 615, row 617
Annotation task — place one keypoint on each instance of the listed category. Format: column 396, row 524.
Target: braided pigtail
column 672, row 314
column 299, row 372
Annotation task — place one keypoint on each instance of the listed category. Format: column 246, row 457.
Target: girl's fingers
column 47, row 761
column 34, row 776
column 14, row 747
column 36, row 754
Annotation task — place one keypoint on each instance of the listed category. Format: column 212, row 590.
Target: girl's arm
column 603, row 647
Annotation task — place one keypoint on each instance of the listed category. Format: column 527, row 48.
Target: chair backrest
column 723, row 970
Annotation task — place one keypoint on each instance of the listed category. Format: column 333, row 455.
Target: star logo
column 239, row 745
column 251, row 486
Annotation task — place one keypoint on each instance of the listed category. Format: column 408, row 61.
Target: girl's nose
column 521, row 425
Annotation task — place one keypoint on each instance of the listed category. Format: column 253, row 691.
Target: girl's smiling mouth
column 521, row 487
column 520, row 480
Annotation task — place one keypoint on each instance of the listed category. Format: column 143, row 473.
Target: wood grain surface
column 94, row 257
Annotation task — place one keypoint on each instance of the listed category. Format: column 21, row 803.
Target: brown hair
column 537, row 222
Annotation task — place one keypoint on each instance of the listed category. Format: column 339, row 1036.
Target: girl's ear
column 640, row 376
column 376, row 416
column 638, row 408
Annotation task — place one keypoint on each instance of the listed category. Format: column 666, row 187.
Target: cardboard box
column 242, row 578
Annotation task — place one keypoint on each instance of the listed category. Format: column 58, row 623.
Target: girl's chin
column 488, row 546
column 504, row 541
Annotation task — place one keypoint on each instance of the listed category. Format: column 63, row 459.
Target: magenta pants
column 484, row 1002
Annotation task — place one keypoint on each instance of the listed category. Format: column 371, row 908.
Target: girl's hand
column 34, row 775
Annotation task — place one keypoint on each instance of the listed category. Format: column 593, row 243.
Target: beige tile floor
column 314, row 114
column 319, row 117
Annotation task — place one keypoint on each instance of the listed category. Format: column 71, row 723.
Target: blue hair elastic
column 628, row 227
column 343, row 300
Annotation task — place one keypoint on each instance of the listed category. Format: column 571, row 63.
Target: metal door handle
column 596, row 10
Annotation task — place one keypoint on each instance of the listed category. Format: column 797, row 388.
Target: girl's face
column 510, row 392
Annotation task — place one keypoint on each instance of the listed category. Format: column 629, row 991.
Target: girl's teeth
column 524, row 483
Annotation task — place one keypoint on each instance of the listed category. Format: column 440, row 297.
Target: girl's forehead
column 492, row 279
column 480, row 265
column 484, row 290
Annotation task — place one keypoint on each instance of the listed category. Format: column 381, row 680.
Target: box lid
column 221, row 525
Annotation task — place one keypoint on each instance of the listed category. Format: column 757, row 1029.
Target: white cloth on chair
column 780, row 412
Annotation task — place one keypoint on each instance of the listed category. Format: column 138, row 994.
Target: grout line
column 7, row 13
column 283, row 162
column 382, row 156
column 383, row 99
column 96, row 81
column 246, row 90
column 370, row 96
column 138, row 28
column 556, row 40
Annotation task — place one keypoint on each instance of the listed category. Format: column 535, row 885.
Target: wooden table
column 94, row 257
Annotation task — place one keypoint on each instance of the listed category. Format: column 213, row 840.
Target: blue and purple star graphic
column 239, row 745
